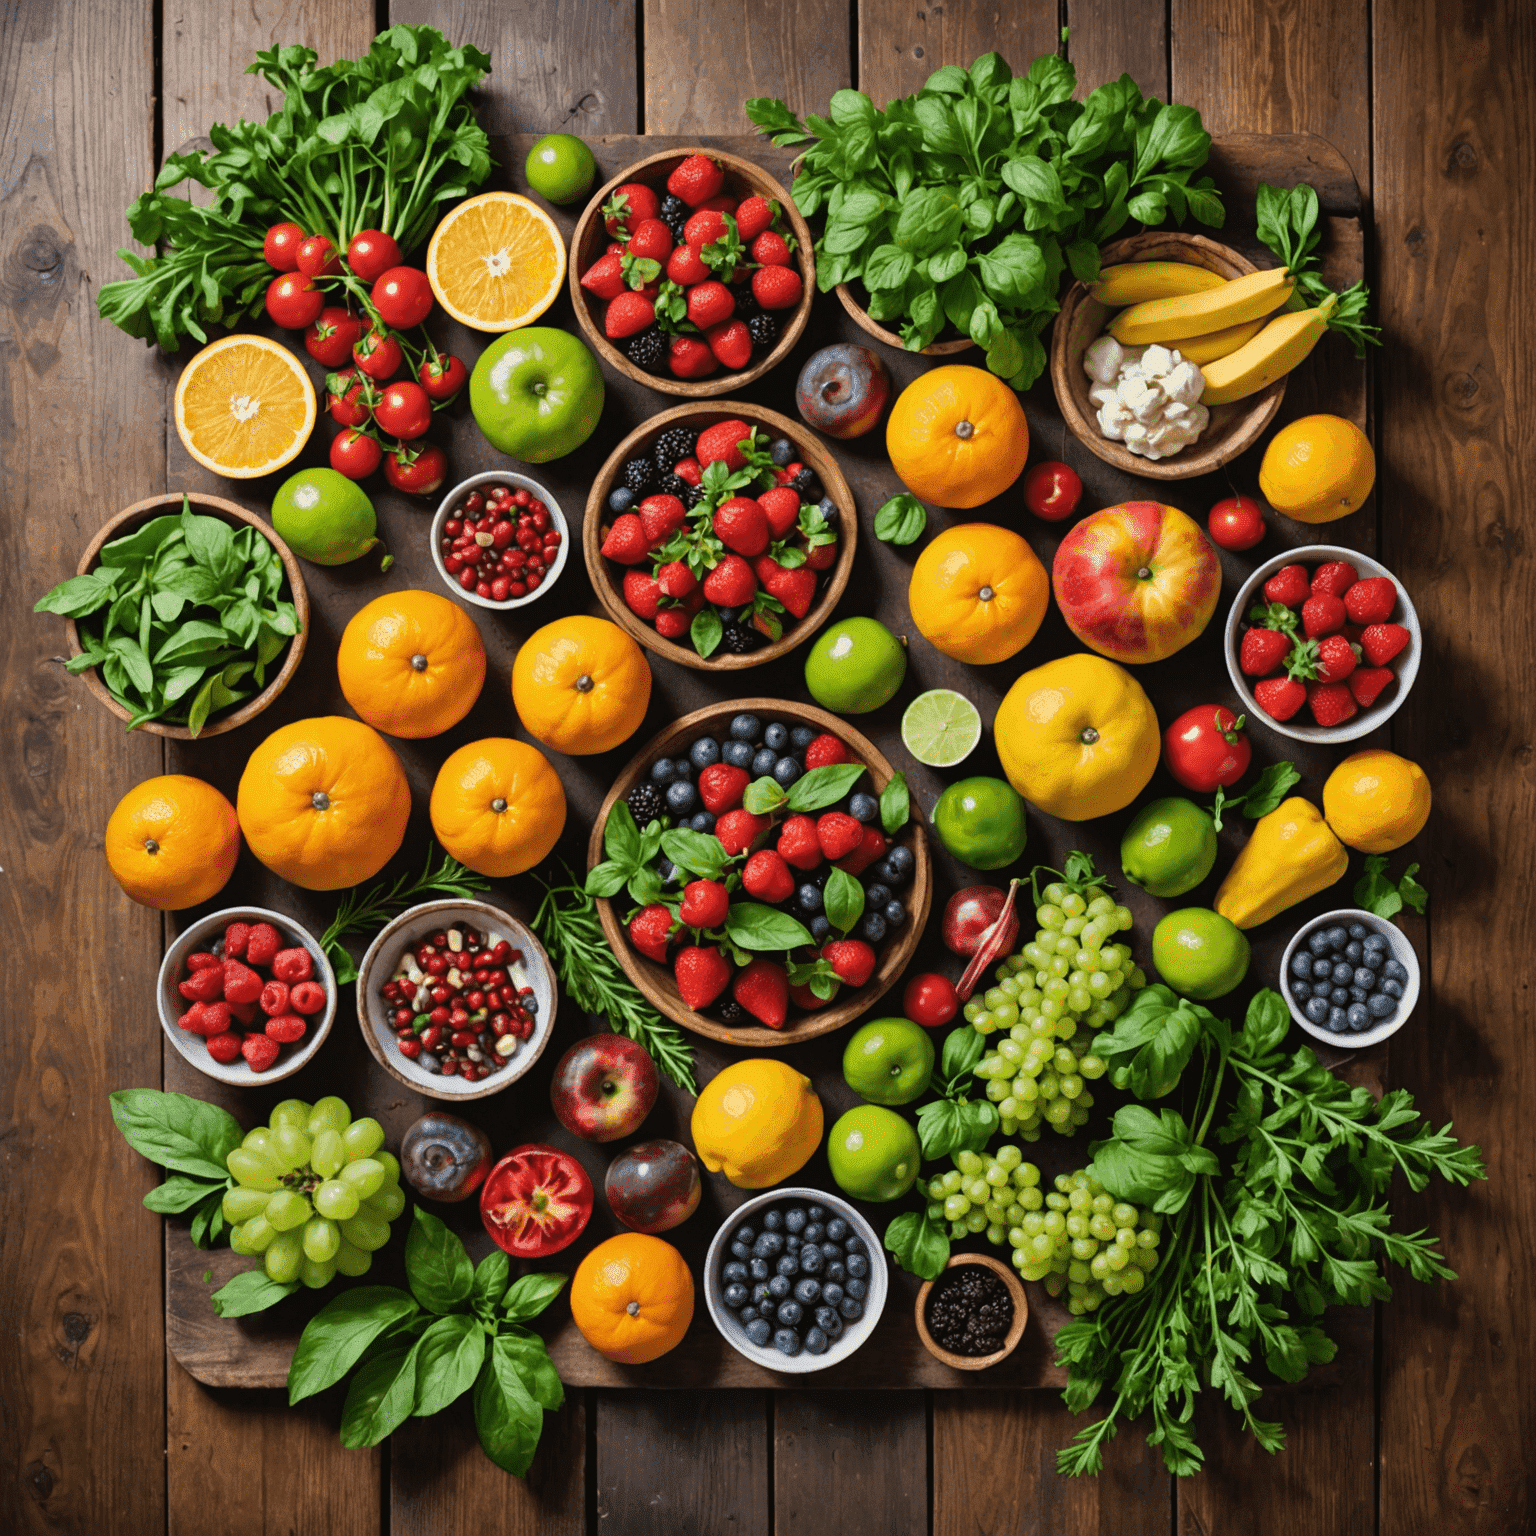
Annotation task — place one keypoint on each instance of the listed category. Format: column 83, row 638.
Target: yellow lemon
column 978, row 593
column 1376, row 801
column 496, row 261
column 1318, row 469
column 757, row 1122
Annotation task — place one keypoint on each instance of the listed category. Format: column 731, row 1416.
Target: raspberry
column 264, row 941
column 260, row 1051
column 293, row 965
column 225, row 1048
column 285, row 1029
column 308, row 997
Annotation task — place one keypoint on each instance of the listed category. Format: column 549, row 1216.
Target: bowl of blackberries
column 972, row 1314
column 1350, row 978
column 795, row 1280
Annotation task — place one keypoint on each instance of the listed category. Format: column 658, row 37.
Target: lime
column 981, row 821
column 560, row 167
column 1200, row 953
column 1169, row 848
column 888, row 1061
column 855, row 666
column 325, row 517
column 874, row 1153
column 941, row 728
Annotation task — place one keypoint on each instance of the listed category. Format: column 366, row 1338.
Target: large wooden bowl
column 860, row 317
column 214, row 506
column 656, row 981
column 1231, row 429
column 742, row 178
column 607, row 578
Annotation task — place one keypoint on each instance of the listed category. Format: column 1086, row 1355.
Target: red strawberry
column 661, row 516
column 202, row 960
column 652, row 241
column 676, row 580
column 604, row 279
column 626, row 541
column 821, row 557
column 798, row 843
column 796, row 589
column 738, row 830
column 1335, row 659
column 1381, row 642
column 721, row 787
column 704, row 228
column 702, row 974
column 686, row 267
column 673, row 623
column 705, row 903
column 650, row 931
column 710, row 304
column 872, row 846
column 1321, row 615
column 1366, row 684
column 739, row 524
column 1289, row 586
column 614, row 248
column 731, row 343
column 787, row 473
column 262, row 944
column 1334, row 577
column 1331, row 703
column 767, row 877
column 838, row 833
column 628, row 313
column 630, row 205
column 641, row 594
column 753, row 217
column 245, row 1013
column 286, row 1029
column 206, row 1019
column 731, row 583
column 777, row 287
column 770, row 249
column 241, row 983
column 260, row 1051
column 807, row 1001
column 721, row 202
column 852, row 959
column 781, row 506
column 721, row 443
column 1371, row 601
column 1352, row 632
column 695, row 179
column 690, row 358
column 225, row 1049
column 236, row 937
column 825, row 751
column 203, row 986
column 690, row 470
column 1280, row 697
column 1262, row 651
column 763, row 990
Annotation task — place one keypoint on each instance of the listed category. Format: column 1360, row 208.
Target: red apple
column 842, row 390
column 603, row 1087
column 653, row 1186
column 967, row 916
column 1136, row 582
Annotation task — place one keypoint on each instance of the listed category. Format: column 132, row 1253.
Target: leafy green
column 919, row 1245
column 1375, row 891
column 895, row 804
column 1261, row 797
column 437, row 1268
column 842, row 900
column 251, row 1291
column 753, row 926
column 901, row 520
column 631, row 857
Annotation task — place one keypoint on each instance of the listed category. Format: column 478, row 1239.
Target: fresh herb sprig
column 1261, row 797
column 902, row 520
column 189, row 1139
column 1377, row 892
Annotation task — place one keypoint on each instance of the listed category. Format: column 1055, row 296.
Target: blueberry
column 768, row 1244
column 705, row 752
column 790, row 1312
column 811, row 1260
column 794, row 1220
column 1365, row 977
column 663, row 771
column 759, row 1330
column 829, row 1320
column 1338, row 937
column 835, row 1273
column 792, row 1243
column 837, row 1229
column 786, row 771
column 735, row 1295
column 1317, row 941
column 1316, row 1010
column 748, row 1314
column 758, row 1269
column 821, row 929
column 1393, row 971
column 1338, row 1020
column 851, row 1308
column 831, row 1294
column 789, row 1264
column 780, row 1287
column 832, row 1253
column 742, row 1251
column 828, row 509
column 1376, row 951
column 682, row 768
column 772, row 1220
column 809, row 898
column 746, row 728
column 1359, row 1017
column 735, row 1271
column 668, row 872
column 1301, row 990
column 858, row 1289
column 620, row 499
column 1322, row 970
column 815, row 1213
column 737, row 753
column 807, row 1291
column 1354, row 951
column 1392, row 987
column 763, row 1297
column 872, row 929
column 763, row 762
column 816, row 1342
column 702, row 821
column 876, row 896
column 1382, row 1005
column 1358, row 994
column 801, row 737
column 1342, row 974
column 1359, row 931
column 894, row 913
column 1301, row 966
column 681, row 798
column 781, row 451
column 743, row 1234
column 1339, row 997
column 900, row 862
column 776, row 736
column 863, row 807
column 787, row 1341
column 858, row 1265
column 855, row 1243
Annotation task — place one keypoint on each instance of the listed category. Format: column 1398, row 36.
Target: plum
column 842, row 390
column 653, row 1186
column 444, row 1157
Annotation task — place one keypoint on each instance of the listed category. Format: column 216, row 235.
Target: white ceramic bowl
column 1405, row 663
column 518, row 482
column 854, row 1334
column 1402, row 952
column 192, row 1048
column 406, row 932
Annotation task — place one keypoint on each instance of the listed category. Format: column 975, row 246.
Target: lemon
column 1317, row 469
column 244, row 407
column 757, row 1122
column 941, row 728
column 1376, row 801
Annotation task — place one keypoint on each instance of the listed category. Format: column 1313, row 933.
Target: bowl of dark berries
column 692, row 272
column 500, row 540
column 720, row 536
column 1350, row 978
column 795, row 1280
column 787, row 848
column 973, row 1314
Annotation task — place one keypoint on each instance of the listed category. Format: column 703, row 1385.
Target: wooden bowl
column 214, row 506
column 656, row 980
column 860, row 317
column 1231, row 429
column 608, row 585
column 742, row 178
column 1015, row 1331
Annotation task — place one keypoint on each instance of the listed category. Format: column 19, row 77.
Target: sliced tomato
column 536, row 1201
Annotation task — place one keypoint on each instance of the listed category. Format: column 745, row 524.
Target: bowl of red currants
column 500, row 540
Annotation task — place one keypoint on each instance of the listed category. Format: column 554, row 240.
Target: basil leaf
column 179, row 1193
column 209, row 541
column 507, row 1418
column 178, row 1132
column 1414, row 895
column 888, row 267
column 698, row 853
column 895, row 805
column 448, row 1358
column 202, row 706
column 822, row 787
column 930, row 217
column 1267, row 792
column 901, row 520
column 194, row 635
column 250, row 1291
column 963, row 1048
column 621, row 837
column 763, row 796
column 1265, row 1026
column 979, row 1120
column 1374, row 892
column 208, row 1222
column 706, row 631
column 919, row 1246
column 606, row 879
column 531, row 1361
column 939, row 1129
column 751, row 925
column 490, row 1285
column 843, row 900
column 79, row 595
column 380, row 1398
column 336, row 1336
column 531, row 1295
column 436, row 1266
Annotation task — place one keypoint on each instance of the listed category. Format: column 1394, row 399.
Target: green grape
column 294, row 1112
column 237, row 1241
column 1124, row 1214
column 287, row 1208
column 968, row 1162
column 1116, row 1257
column 1009, row 1157
column 337, row 1200
column 996, row 1175
column 240, row 1204
column 252, row 1169
column 1132, row 1280
column 315, row 1276
column 956, row 1207
column 285, row 1257
column 1092, row 1067
column 386, row 1203
column 291, row 1144
column 364, row 1176
column 362, row 1138
column 329, row 1114
column 322, row 1239
column 997, row 1089
column 995, row 1234
column 363, row 1232
column 952, row 1180
column 391, row 1166
column 1050, row 917
column 352, row 1260
column 935, row 1209
column 976, row 1221
column 327, row 1154
column 936, row 1190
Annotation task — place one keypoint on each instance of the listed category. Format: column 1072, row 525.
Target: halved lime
column 941, row 728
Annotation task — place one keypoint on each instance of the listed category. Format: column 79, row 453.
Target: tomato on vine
column 404, row 410
column 355, row 455
column 331, row 338
column 403, row 297
column 443, row 376
column 349, row 397
column 371, row 253
column 317, row 257
column 377, row 353
column 281, row 246
column 293, row 301
column 417, row 468
column 1205, row 747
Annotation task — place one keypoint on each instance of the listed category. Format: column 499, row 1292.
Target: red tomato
column 331, row 338
column 930, row 1000
column 349, row 403
column 355, row 455
column 317, row 257
column 293, row 301
column 403, row 297
column 281, row 246
column 416, row 468
column 377, row 355
column 404, row 410
column 443, row 376
column 1207, row 746
column 1236, row 523
column 371, row 253
column 1052, row 491
column 536, row 1201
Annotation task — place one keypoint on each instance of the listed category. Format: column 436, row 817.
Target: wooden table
column 100, row 1432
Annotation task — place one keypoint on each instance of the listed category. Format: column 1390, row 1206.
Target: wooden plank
column 850, row 1463
column 82, row 1423
column 1110, row 38
column 902, row 42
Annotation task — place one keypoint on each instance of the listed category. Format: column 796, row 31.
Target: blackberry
column 731, row 1012
column 689, row 495
column 677, row 443
column 746, row 302
column 674, row 214
column 764, row 330
column 739, row 641
column 636, row 475
column 646, row 349
column 646, row 804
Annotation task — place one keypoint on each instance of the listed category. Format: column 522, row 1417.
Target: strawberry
column 702, row 974
column 781, row 506
column 650, row 931
column 661, row 516
column 821, row 557
column 629, row 313
column 673, row 623
column 695, row 179
column 710, row 304
column 721, row 787
column 738, row 830
column 690, row 358
column 787, row 473
column 1280, row 697
column 739, row 524
column 245, row 1013
column 1367, row 683
column 704, row 228
column 260, row 1051
column 721, row 202
column 872, row 846
column 676, row 580
column 1381, row 642
column 651, row 241
column 777, row 287
column 204, row 986
column 721, row 444
column 824, row 752
column 629, row 206
column 770, row 249
column 262, row 944
column 1334, row 578
column 796, row 589
column 241, row 983
column 807, row 1001
column 626, row 541
column 1371, row 601
column 731, row 583
column 286, row 1029
column 852, row 960
column 753, row 217
column 1322, row 614
column 1331, row 703
column 731, row 343
column 838, row 833
column 641, row 594
column 1352, row 633
column 767, row 877
column 236, row 937
column 205, row 1019
column 604, row 279
column 1262, row 651
column 685, row 266
column 705, row 903
column 225, row 1049
column 202, row 960
column 614, row 248
column 1289, row 586
column 763, row 990
column 1335, row 659
column 689, row 469
column 798, row 843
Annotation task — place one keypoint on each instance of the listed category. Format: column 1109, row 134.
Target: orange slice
column 244, row 407
column 496, row 261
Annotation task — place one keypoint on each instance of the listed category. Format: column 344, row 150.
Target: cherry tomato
column 443, row 376
column 281, row 246
column 371, row 253
column 1207, row 746
column 377, row 355
column 331, row 338
column 293, row 301
column 403, row 297
column 317, row 257
column 348, row 404
column 930, row 1000
column 1052, row 491
column 355, row 454
column 404, row 410
column 1236, row 523
column 416, row 468
column 536, row 1201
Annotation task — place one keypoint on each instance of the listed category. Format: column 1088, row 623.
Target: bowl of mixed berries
column 720, row 536
column 692, row 271
column 759, row 872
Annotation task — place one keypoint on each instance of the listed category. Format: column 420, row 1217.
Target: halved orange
column 496, row 261
column 244, row 407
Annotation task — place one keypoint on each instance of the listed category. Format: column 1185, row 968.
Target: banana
column 1198, row 314
column 1277, row 349
column 1201, row 350
column 1133, row 282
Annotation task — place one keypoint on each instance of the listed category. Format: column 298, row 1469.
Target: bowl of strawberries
column 1323, row 644
column 692, row 272
column 720, row 536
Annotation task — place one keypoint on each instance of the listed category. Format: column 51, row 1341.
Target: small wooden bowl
column 214, row 506
column 742, row 178
column 1231, row 429
column 656, row 981
column 608, row 586
column 860, row 318
column 1015, row 1331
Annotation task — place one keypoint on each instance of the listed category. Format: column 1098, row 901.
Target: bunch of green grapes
column 315, row 1192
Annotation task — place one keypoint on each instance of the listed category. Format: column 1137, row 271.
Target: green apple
column 537, row 393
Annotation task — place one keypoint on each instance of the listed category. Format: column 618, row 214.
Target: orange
column 1317, row 469
column 172, row 842
column 1376, row 801
column 244, row 407
column 411, row 663
column 496, row 261
column 581, row 685
column 978, row 593
column 498, row 806
column 324, row 802
column 632, row 1298
column 957, row 436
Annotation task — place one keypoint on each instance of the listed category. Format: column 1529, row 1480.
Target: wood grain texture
column 902, row 42
column 1110, row 38
column 850, row 1462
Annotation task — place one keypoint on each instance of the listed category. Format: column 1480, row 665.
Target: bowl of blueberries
column 795, row 1280
column 1350, row 978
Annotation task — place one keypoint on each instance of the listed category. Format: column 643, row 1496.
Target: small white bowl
column 192, row 1048
column 517, row 482
column 853, row 1335
column 1402, row 952
column 406, row 932
column 1405, row 664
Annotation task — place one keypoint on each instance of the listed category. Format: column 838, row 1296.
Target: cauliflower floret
column 1102, row 360
column 1199, row 417
column 1184, row 384
column 1156, row 361
column 1134, row 394
column 1113, row 419
column 1173, row 411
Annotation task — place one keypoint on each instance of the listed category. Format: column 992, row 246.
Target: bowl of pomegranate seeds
column 500, row 540
column 246, row 996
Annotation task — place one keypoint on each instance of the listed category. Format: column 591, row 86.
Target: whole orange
column 632, row 1298
column 411, row 663
column 324, row 802
column 172, row 842
column 581, row 685
column 498, row 806
column 978, row 593
column 957, row 436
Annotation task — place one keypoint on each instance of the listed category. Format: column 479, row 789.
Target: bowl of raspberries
column 692, row 271
column 1322, row 644
column 720, row 536
column 760, row 872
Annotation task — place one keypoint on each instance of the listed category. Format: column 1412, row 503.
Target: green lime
column 855, row 666
column 981, row 821
column 560, row 167
column 1200, row 953
column 888, row 1061
column 325, row 518
column 941, row 728
column 874, row 1153
column 1169, row 848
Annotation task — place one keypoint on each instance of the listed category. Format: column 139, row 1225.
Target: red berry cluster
column 501, row 544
